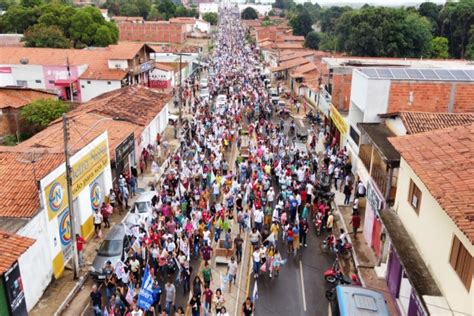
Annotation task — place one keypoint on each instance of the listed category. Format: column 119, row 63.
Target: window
column 82, row 86
column 462, row 262
column 22, row 83
column 88, row 82
column 109, row 83
column 414, row 196
column 354, row 135
column 38, row 81
column 51, row 81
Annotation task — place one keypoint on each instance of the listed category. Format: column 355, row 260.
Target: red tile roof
column 16, row 97
column 127, row 18
column 300, row 71
column 291, row 64
column 444, row 161
column 419, row 122
column 19, row 172
column 11, row 40
column 12, row 247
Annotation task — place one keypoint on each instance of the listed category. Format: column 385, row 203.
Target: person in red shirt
column 355, row 221
column 80, row 247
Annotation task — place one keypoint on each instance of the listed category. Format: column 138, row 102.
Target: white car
column 203, row 83
column 204, row 93
column 221, row 100
column 141, row 210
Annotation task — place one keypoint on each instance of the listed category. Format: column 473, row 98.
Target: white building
column 211, row 7
column 262, row 9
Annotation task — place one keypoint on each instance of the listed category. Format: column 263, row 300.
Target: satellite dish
column 24, row 61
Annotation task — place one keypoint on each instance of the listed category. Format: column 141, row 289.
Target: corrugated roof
column 12, row 247
column 444, row 161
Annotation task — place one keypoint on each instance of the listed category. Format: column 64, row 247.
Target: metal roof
column 419, row 74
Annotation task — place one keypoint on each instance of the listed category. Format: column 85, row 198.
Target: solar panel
column 459, row 74
column 470, row 73
column 429, row 74
column 371, row 73
column 414, row 74
column 384, row 73
column 399, row 73
column 444, row 74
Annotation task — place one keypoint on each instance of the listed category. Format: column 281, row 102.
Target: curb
column 72, row 294
column 355, row 260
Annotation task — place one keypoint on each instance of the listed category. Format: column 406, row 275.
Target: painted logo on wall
column 56, row 196
column 65, row 234
column 95, row 196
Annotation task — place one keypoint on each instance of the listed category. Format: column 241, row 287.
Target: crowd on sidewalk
column 276, row 191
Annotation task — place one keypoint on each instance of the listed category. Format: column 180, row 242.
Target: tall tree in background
column 312, row 40
column 439, row 47
column 329, row 17
column 302, row 23
column 456, row 21
column 249, row 13
column 40, row 35
column 86, row 28
column 431, row 11
column 211, row 17
column 384, row 32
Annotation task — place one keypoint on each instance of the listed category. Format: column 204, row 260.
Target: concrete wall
column 152, row 32
column 432, row 231
column 158, row 125
column 208, row 7
column 93, row 88
column 28, row 73
column 341, row 91
column 35, row 264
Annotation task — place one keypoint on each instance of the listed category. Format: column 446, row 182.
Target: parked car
column 111, row 249
column 274, row 97
column 203, row 83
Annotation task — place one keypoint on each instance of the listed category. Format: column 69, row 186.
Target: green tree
column 17, row 19
column 40, row 35
column 384, row 32
column 301, row 23
column 431, row 11
column 54, row 14
column 329, row 17
column 457, row 19
column 129, row 9
column 312, row 40
column 470, row 47
column 41, row 112
column 144, row 7
column 84, row 25
column 327, row 42
column 154, row 14
column 249, row 13
column 166, row 8
column 271, row 13
column 439, row 47
column 283, row 4
column 211, row 17
column 31, row 3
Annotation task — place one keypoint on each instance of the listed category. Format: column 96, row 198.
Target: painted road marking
column 302, row 286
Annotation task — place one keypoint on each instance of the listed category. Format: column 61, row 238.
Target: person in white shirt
column 258, row 219
column 97, row 222
column 271, row 196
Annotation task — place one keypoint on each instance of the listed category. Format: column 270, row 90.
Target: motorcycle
column 344, row 251
column 334, row 275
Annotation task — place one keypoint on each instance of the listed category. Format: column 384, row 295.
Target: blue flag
column 145, row 298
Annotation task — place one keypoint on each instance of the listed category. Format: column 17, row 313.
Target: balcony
column 146, row 66
column 365, row 154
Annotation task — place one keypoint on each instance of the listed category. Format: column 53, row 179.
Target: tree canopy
column 384, row 32
column 210, row 17
column 249, row 13
column 41, row 112
column 59, row 25
column 302, row 23
column 312, row 40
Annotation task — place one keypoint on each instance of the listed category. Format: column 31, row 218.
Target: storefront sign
column 125, row 148
column 84, row 172
column 374, row 199
column 96, row 196
column 338, row 120
column 14, row 291
column 65, row 234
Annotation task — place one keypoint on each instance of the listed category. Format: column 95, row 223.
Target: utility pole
column 69, row 79
column 72, row 222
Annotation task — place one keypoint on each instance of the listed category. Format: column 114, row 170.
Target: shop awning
column 413, row 263
column 378, row 134
column 63, row 83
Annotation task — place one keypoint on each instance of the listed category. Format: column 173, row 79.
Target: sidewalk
column 59, row 290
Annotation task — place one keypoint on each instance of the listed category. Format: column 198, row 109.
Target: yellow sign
column 338, row 120
column 84, row 172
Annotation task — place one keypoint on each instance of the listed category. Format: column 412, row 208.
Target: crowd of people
column 273, row 192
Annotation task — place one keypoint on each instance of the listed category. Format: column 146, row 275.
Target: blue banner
column 145, row 297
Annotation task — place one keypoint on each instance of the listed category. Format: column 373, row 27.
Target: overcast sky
column 375, row 2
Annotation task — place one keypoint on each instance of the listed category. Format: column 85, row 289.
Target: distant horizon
column 372, row 2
